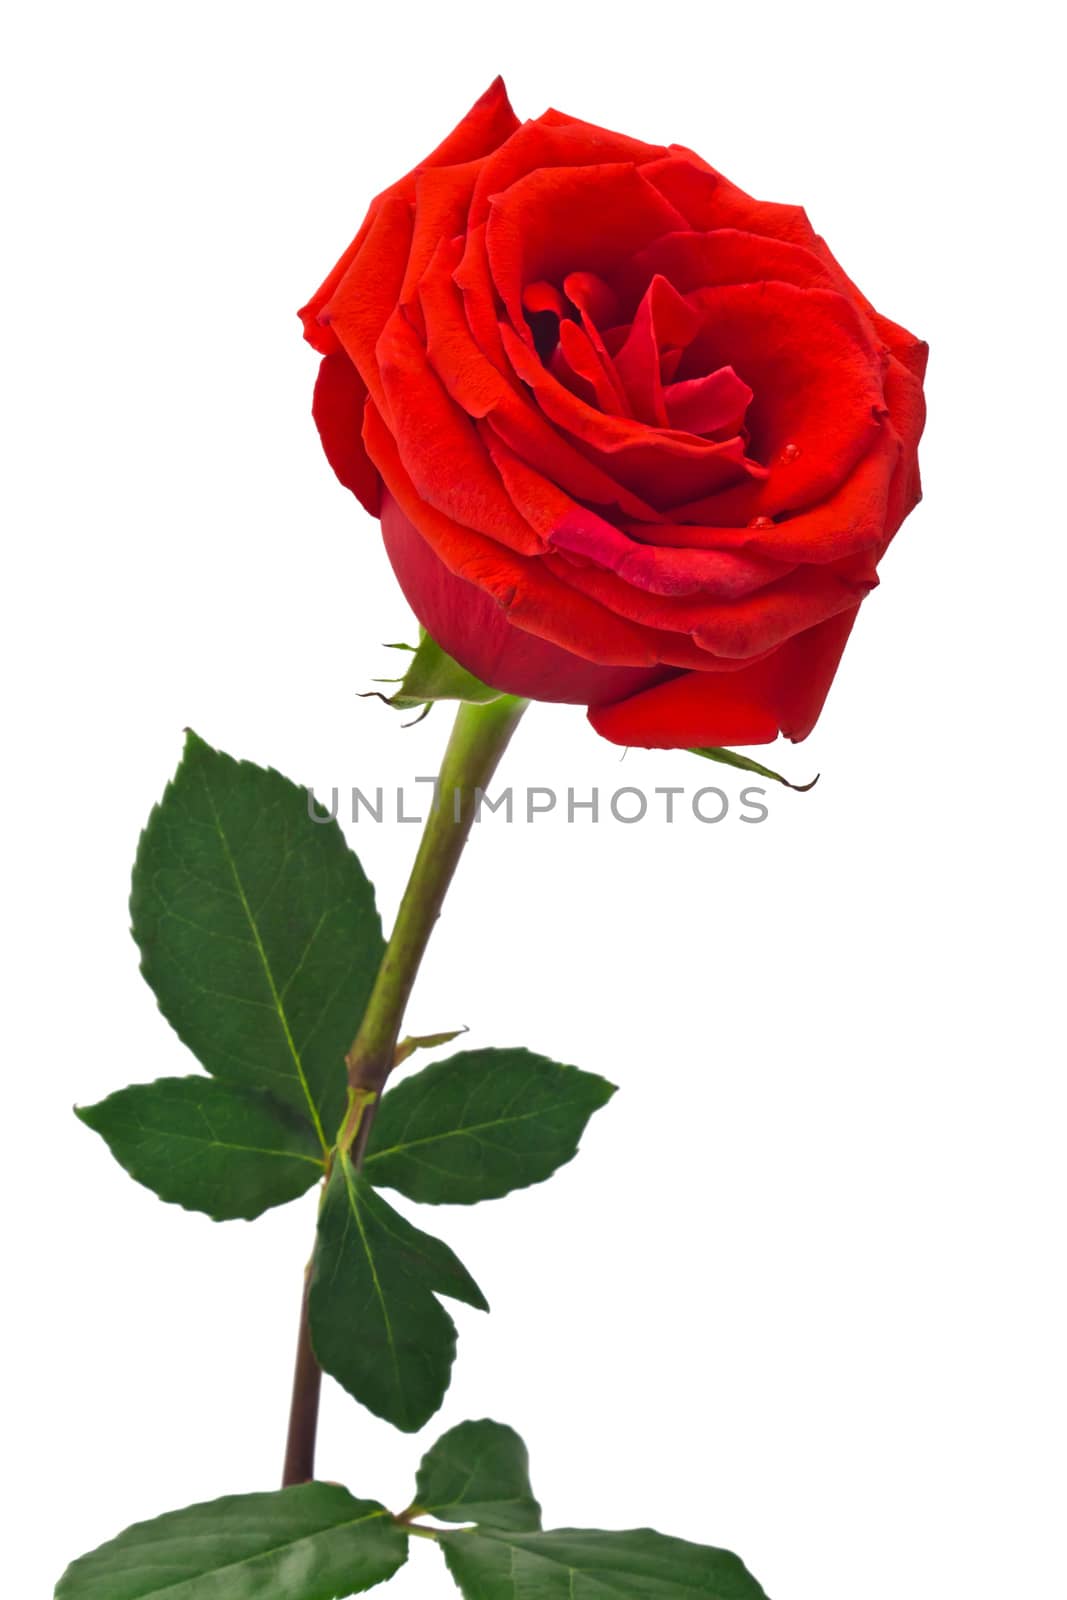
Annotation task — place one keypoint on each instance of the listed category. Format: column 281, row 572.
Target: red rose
column 635, row 440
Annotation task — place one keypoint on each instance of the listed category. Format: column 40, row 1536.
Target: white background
column 802, row 1292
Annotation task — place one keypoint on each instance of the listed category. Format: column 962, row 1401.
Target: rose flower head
column 635, row 440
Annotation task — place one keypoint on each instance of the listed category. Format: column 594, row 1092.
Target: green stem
column 479, row 738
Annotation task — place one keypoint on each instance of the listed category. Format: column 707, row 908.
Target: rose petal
column 852, row 519
column 593, row 296
column 488, row 123
column 442, row 454
column 596, row 305
column 442, row 198
column 547, row 509
column 907, row 408
column 337, row 407
column 366, row 296
column 912, row 353
column 478, row 386
column 697, row 708
column 553, row 142
column 471, row 276
column 716, row 574
column 709, row 200
column 715, row 404
column 783, row 693
column 816, row 377
column 731, row 629
column 472, row 627
column 708, row 260
column 658, row 464
column 594, row 367
column 544, row 297
column 522, row 586
column 663, row 320
column 553, row 221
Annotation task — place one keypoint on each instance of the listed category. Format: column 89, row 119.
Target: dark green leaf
column 208, row 1145
column 376, row 1324
column 578, row 1564
column 433, row 675
column 480, row 1124
column 478, row 1472
column 257, row 930
column 311, row 1543
column 730, row 758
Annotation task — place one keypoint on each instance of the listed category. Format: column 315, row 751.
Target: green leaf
column 314, row 1542
column 257, row 929
column 579, row 1564
column 433, row 675
column 730, row 758
column 478, row 1472
column 480, row 1124
column 209, row 1146
column 423, row 1041
column 376, row 1324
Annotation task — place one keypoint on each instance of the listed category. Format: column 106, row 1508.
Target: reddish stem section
column 304, row 1410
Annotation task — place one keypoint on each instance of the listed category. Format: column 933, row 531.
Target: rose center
column 628, row 369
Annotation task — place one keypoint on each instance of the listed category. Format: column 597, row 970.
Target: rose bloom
column 635, row 440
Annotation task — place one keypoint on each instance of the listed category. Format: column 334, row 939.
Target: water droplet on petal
column 790, row 452
column 761, row 522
